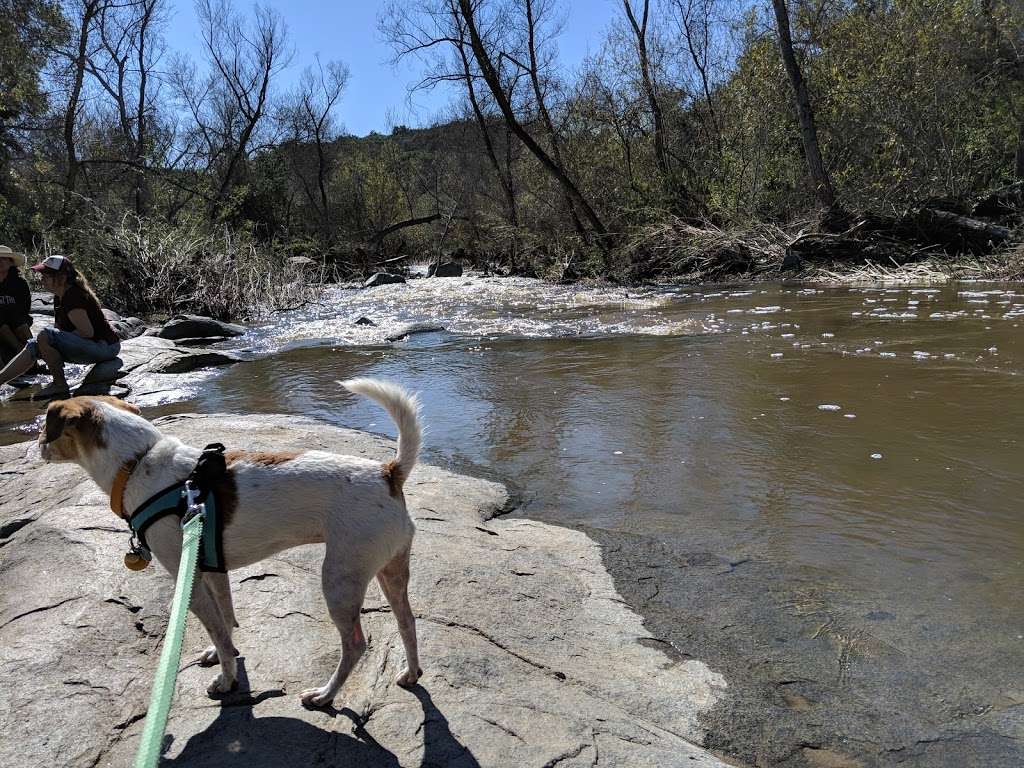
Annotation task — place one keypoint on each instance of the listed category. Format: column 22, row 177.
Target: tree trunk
column 549, row 124
column 142, row 190
column 640, row 31
column 89, row 10
column 1020, row 151
column 507, row 187
column 490, row 76
column 805, row 114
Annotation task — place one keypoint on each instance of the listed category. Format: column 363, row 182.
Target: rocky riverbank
column 530, row 655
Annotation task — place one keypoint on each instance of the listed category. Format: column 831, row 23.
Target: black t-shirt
column 75, row 298
column 15, row 301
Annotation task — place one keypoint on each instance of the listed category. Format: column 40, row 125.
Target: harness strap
column 171, row 501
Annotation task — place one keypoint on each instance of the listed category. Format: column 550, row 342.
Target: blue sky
column 347, row 30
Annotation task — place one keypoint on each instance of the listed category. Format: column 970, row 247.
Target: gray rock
column 151, row 354
column 42, row 304
column 791, row 262
column 383, row 278
column 446, row 269
column 126, row 330
column 365, row 321
column 530, row 656
column 195, row 326
column 111, row 315
column 410, row 329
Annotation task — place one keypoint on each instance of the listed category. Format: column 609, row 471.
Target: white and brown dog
column 353, row 505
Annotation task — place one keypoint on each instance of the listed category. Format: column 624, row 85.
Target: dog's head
column 76, row 427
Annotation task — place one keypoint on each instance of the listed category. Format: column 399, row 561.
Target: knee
column 43, row 339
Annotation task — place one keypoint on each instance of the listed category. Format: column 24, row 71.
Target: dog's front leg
column 219, row 587
column 205, row 607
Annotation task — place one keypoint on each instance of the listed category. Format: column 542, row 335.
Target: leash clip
column 136, row 548
column 193, row 507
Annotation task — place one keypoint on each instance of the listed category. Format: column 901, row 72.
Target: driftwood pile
column 838, row 239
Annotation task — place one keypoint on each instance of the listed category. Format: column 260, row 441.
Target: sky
column 377, row 94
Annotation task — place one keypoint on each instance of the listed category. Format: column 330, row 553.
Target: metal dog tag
column 133, row 561
column 138, row 556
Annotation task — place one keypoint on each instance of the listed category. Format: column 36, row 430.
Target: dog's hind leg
column 219, row 587
column 394, row 583
column 344, row 590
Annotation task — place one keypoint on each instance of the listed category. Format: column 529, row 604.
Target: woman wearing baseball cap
column 15, row 305
column 82, row 335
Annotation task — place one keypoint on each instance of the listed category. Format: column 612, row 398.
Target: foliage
column 915, row 100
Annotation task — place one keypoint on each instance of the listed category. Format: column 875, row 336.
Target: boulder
column 530, row 657
column 383, row 278
column 365, row 321
column 445, row 269
column 111, row 315
column 196, row 327
column 126, row 330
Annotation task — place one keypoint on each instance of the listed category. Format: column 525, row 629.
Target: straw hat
column 17, row 258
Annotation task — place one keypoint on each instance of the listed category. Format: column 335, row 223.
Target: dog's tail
column 404, row 408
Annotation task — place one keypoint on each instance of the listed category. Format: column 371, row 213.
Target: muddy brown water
column 857, row 449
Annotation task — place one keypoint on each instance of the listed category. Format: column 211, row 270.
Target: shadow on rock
column 440, row 747
column 238, row 738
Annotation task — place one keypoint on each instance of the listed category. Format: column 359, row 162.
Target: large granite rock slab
column 530, row 656
column 138, row 369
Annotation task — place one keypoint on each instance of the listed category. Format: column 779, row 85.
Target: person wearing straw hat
column 15, row 305
column 83, row 334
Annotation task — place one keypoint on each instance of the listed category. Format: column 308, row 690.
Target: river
column 816, row 488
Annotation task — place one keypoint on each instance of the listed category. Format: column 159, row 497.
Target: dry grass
column 143, row 267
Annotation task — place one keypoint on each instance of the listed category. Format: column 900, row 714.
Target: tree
column 228, row 106
column 490, row 75
column 123, row 66
column 308, row 113
column 86, row 12
column 805, row 114
column 647, row 81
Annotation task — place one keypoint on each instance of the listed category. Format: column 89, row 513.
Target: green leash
column 167, row 671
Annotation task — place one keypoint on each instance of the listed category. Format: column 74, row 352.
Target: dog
column 269, row 502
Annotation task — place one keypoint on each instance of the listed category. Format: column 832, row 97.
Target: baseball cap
column 7, row 253
column 53, row 263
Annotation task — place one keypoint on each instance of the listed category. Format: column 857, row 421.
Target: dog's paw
column 316, row 697
column 210, row 657
column 220, row 686
column 407, row 678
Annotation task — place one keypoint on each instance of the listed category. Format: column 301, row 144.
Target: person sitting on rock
column 15, row 305
column 83, row 334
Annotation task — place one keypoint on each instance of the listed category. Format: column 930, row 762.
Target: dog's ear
column 55, row 421
column 76, row 418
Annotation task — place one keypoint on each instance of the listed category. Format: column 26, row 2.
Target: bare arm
column 80, row 319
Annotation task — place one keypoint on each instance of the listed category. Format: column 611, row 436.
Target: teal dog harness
column 172, row 500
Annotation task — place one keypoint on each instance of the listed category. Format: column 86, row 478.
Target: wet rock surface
column 812, row 685
column 140, row 358
column 530, row 656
